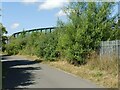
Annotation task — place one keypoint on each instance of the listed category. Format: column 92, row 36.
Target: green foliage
column 15, row 45
column 50, row 49
column 47, row 46
column 12, row 48
column 4, row 38
column 88, row 24
column 35, row 43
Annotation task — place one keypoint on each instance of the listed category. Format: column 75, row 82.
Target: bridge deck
column 33, row 30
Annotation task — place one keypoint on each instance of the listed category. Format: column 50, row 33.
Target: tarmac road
column 22, row 73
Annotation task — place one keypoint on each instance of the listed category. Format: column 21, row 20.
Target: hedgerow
column 88, row 24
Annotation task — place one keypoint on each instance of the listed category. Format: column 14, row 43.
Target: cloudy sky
column 29, row 14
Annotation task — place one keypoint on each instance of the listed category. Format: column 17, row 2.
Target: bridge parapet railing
column 35, row 30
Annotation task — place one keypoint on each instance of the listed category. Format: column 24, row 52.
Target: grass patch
column 100, row 77
column 102, row 72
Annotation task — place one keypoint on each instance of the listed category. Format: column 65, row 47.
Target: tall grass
column 104, row 63
column 103, row 72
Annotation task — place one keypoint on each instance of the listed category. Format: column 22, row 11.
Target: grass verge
column 102, row 72
column 101, row 78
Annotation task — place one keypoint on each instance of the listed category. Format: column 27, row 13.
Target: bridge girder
column 33, row 30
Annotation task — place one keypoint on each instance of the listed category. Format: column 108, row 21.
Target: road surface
column 23, row 73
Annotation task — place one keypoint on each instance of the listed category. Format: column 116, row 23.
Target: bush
column 15, row 45
column 47, row 46
column 88, row 24
column 12, row 49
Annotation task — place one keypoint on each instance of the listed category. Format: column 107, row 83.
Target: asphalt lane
column 22, row 73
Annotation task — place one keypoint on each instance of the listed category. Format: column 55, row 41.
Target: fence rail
column 110, row 48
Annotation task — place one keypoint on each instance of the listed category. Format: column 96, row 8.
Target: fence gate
column 110, row 49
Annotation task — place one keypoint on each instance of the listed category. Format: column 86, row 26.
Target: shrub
column 88, row 24
column 47, row 46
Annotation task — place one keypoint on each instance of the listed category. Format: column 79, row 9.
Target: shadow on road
column 17, row 72
column 4, row 57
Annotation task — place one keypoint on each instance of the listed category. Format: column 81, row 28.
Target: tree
column 3, row 37
column 88, row 25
